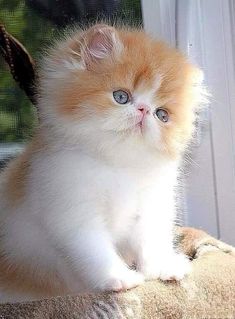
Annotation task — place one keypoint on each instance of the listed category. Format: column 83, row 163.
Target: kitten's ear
column 100, row 42
column 83, row 50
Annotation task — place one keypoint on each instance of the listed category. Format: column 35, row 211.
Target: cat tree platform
column 208, row 292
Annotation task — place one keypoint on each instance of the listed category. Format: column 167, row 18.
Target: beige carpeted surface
column 208, row 292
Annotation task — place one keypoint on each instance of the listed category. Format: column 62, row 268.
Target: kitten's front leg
column 155, row 254
column 93, row 258
column 165, row 265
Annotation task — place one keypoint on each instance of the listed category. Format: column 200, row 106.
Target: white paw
column 173, row 267
column 126, row 280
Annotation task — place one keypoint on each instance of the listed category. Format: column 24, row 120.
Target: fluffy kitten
column 94, row 192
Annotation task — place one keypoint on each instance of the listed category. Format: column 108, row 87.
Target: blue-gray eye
column 121, row 97
column 162, row 115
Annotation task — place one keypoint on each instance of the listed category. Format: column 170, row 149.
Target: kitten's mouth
column 140, row 125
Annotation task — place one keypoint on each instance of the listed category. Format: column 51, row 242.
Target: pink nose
column 144, row 109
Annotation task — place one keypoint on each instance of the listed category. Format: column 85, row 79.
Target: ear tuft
column 100, row 42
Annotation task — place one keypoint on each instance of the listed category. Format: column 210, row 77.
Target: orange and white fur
column 94, row 192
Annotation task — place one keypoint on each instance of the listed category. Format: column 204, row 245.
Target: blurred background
column 202, row 29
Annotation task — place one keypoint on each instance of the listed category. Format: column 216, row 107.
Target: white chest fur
column 91, row 211
column 115, row 194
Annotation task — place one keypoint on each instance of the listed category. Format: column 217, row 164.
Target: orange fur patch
column 17, row 172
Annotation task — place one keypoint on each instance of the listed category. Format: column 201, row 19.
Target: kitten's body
column 88, row 197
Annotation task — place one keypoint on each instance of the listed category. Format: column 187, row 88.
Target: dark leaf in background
column 20, row 62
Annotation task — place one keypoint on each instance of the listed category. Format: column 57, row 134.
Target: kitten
column 94, row 192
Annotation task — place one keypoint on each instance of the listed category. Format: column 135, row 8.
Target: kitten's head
column 111, row 86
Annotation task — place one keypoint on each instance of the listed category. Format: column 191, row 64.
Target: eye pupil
column 162, row 115
column 121, row 97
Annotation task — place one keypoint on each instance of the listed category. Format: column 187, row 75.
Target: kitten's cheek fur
column 173, row 267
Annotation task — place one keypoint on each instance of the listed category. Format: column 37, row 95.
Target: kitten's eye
column 161, row 114
column 121, row 97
